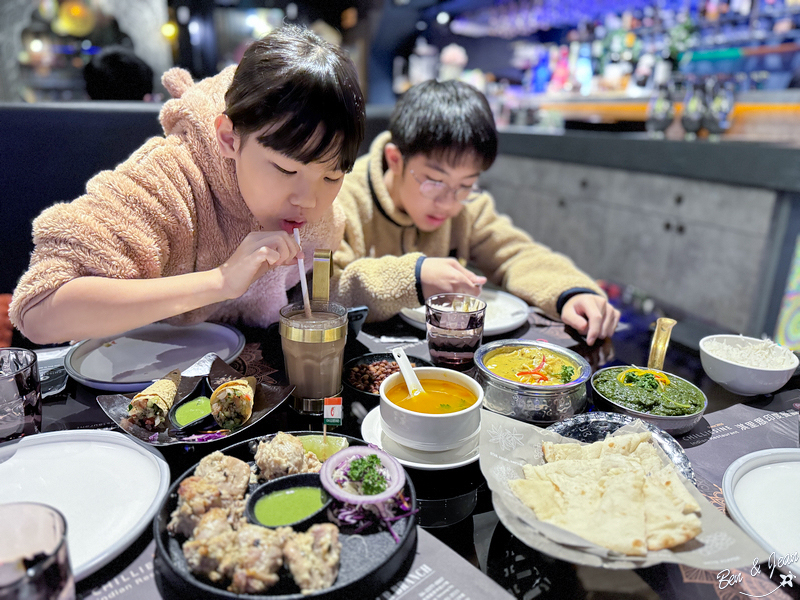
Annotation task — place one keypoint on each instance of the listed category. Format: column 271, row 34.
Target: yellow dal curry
column 439, row 397
column 525, row 364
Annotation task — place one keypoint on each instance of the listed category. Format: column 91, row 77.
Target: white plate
column 131, row 361
column 760, row 489
column 504, row 312
column 372, row 433
column 108, row 487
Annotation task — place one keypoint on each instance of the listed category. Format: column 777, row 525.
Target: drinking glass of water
column 454, row 324
column 20, row 394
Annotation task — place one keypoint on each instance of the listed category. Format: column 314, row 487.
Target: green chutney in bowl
column 297, row 501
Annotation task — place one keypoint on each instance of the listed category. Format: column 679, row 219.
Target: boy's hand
column 258, row 252
column 446, row 275
column 591, row 315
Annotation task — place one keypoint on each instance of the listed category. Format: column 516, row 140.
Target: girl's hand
column 258, row 252
column 591, row 315
column 446, row 275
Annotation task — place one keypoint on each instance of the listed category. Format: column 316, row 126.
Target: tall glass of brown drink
column 313, row 351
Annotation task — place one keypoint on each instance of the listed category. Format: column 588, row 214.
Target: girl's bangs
column 315, row 129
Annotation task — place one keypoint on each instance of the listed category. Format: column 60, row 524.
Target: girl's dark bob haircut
column 450, row 119
column 306, row 90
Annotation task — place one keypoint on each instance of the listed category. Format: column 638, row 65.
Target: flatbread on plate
column 616, row 493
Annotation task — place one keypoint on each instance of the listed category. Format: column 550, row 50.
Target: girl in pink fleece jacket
column 197, row 225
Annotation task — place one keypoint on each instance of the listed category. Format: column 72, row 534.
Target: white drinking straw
column 303, row 283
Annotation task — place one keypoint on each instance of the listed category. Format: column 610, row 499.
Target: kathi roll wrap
column 232, row 402
column 149, row 408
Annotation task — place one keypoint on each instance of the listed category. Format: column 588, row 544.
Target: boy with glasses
column 415, row 212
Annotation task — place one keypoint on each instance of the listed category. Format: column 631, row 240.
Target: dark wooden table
column 455, row 504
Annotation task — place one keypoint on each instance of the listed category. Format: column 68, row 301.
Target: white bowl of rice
column 747, row 366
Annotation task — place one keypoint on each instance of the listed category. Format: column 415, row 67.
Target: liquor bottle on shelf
column 660, row 112
column 717, row 117
column 694, row 108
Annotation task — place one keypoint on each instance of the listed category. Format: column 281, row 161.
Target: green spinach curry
column 649, row 391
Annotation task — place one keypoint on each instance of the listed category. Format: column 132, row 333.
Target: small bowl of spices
column 362, row 376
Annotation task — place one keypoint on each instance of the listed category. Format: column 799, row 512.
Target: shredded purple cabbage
column 206, row 437
column 364, row 516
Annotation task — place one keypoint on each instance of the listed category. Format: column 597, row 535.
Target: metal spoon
column 412, row 382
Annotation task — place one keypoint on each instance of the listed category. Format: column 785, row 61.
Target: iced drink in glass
column 454, row 324
column 20, row 394
column 313, row 352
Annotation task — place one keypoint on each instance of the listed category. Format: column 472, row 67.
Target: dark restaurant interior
column 655, row 143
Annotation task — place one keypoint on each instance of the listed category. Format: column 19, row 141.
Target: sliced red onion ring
column 396, row 476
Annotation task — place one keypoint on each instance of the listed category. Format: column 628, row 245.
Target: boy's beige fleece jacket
column 376, row 262
column 173, row 207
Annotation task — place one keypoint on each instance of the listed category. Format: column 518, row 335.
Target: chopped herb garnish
column 646, row 381
column 366, row 471
column 374, row 483
column 566, row 373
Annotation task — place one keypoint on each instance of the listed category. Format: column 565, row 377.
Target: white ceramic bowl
column 739, row 379
column 429, row 432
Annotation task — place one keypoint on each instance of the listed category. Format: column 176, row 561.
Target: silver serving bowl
column 527, row 401
column 677, row 425
column 595, row 426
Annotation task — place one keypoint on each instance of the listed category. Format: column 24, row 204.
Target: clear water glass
column 454, row 324
column 20, row 394
column 34, row 559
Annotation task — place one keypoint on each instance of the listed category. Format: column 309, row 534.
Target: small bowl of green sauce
column 194, row 411
column 296, row 501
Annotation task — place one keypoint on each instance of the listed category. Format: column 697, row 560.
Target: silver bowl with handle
column 674, row 425
column 527, row 401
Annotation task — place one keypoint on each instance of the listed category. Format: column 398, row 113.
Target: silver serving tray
column 595, row 426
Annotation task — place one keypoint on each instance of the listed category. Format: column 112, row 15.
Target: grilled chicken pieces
column 223, row 547
column 313, row 557
column 284, row 455
column 219, row 481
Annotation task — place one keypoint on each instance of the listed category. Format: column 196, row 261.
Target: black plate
column 366, row 359
column 268, row 398
column 370, row 563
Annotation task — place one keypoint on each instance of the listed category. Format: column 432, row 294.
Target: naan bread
column 601, row 500
column 620, row 444
column 616, row 493
column 669, row 510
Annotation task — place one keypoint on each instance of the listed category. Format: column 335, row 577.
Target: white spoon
column 412, row 382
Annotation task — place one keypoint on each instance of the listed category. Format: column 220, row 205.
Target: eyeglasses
column 439, row 191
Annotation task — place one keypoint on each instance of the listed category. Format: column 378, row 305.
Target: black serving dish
column 206, row 422
column 370, row 562
column 267, row 399
column 368, row 359
column 284, row 483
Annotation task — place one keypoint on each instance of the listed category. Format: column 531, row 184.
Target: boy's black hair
column 308, row 89
column 449, row 118
column 116, row 73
